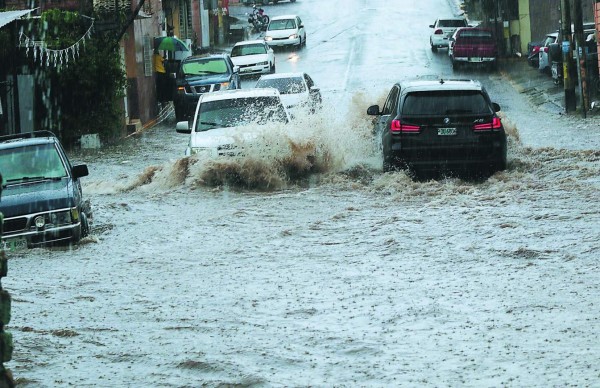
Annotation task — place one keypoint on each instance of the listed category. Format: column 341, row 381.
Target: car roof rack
column 27, row 135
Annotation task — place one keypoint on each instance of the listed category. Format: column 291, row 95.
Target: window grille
column 148, row 56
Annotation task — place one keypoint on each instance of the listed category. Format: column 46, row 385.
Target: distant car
column 473, row 45
column 263, row 2
column 444, row 28
column 285, row 30
column 297, row 90
column 224, row 119
column 198, row 75
column 543, row 59
column 445, row 125
column 42, row 200
column 544, row 62
column 253, row 57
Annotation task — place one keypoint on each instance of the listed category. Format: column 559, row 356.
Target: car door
column 301, row 31
column 235, row 77
column 270, row 54
column 314, row 92
column 388, row 113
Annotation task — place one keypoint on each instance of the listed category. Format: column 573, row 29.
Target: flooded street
column 311, row 267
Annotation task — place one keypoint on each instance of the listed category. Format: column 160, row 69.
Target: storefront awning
column 9, row 16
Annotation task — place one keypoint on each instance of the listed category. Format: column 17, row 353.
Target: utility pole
column 221, row 25
column 581, row 55
column 567, row 54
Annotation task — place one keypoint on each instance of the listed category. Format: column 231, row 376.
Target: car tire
column 179, row 114
column 304, row 41
column 85, row 226
column 454, row 65
column 272, row 69
column 433, row 47
column 390, row 163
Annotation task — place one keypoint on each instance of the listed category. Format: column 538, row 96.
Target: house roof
column 9, row 16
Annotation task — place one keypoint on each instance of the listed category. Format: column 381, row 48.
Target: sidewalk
column 548, row 125
column 539, row 87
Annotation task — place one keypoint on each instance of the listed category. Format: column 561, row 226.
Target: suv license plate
column 446, row 131
column 14, row 244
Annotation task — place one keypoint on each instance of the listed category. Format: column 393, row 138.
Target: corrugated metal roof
column 9, row 16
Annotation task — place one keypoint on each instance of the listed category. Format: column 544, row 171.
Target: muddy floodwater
column 310, row 267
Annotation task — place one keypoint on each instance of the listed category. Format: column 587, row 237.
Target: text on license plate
column 14, row 244
column 446, row 131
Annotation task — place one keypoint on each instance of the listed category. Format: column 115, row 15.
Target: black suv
column 41, row 194
column 440, row 126
column 202, row 74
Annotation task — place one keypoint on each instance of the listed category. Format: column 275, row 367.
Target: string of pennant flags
column 52, row 57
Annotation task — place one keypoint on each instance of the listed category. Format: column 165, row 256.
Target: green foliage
column 81, row 96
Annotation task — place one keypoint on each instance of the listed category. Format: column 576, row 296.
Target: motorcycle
column 258, row 19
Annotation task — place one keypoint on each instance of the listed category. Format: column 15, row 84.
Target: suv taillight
column 439, row 31
column 397, row 127
column 495, row 124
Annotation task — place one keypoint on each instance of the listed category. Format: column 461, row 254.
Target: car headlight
column 263, row 63
column 294, row 36
column 224, row 85
column 268, row 38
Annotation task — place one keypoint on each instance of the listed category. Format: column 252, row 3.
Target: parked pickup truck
column 473, row 45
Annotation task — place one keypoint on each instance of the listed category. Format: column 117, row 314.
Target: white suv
column 444, row 28
column 225, row 122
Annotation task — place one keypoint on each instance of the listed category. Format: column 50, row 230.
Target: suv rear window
column 452, row 23
column 475, row 35
column 445, row 103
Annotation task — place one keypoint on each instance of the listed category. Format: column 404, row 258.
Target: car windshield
column 248, row 49
column 283, row 24
column 203, row 67
column 240, row 111
column 549, row 40
column 40, row 161
column 452, row 23
column 292, row 85
column 445, row 103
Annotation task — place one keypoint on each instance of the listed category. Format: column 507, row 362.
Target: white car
column 297, row 90
column 444, row 28
column 253, row 57
column 224, row 121
column 286, row 30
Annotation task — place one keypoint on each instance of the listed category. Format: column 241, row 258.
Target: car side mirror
column 496, row 107
column 79, row 171
column 183, row 127
column 431, row 26
column 314, row 90
column 236, row 69
column 373, row 110
column 172, row 75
